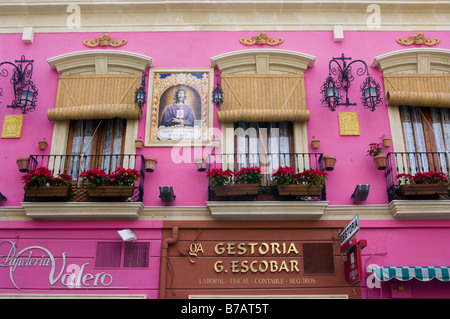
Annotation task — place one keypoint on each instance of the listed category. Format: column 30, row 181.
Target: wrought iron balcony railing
column 269, row 163
column 412, row 163
column 73, row 165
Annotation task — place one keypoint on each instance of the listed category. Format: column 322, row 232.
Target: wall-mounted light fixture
column 361, row 192
column 166, row 194
column 339, row 79
column 217, row 93
column 127, row 235
column 140, row 94
column 25, row 92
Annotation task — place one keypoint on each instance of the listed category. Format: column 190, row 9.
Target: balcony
column 269, row 163
column 412, row 163
column 73, row 165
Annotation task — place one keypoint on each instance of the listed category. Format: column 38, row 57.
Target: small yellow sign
column 12, row 126
column 348, row 123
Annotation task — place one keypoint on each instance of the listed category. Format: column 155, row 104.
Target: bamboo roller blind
column 263, row 98
column 99, row 96
column 428, row 90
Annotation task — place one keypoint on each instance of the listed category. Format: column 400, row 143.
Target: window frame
column 412, row 61
column 97, row 62
column 122, row 255
column 263, row 61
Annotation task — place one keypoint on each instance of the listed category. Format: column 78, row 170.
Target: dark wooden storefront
column 257, row 259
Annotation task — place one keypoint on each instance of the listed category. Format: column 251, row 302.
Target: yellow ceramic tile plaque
column 348, row 123
column 12, row 126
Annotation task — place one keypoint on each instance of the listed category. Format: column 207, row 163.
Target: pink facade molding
column 324, row 125
column 77, row 257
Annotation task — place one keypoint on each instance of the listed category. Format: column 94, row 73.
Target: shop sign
column 243, row 266
column 353, row 265
column 249, row 264
column 349, row 231
column 29, row 259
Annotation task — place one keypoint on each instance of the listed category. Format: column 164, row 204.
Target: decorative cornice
column 104, row 41
column 423, row 209
column 217, row 15
column 419, row 38
column 395, row 210
column 267, row 210
column 261, row 38
column 87, row 59
column 87, row 210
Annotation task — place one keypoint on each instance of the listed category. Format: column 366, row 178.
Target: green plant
column 375, row 149
column 283, row 176
column 121, row 177
column 218, row 177
column 423, row 178
column 43, row 177
column 310, row 177
column 248, row 175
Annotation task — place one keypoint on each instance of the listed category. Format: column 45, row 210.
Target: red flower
column 217, row 176
column 42, row 176
column 423, row 178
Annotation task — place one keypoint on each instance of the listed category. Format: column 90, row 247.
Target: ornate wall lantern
column 338, row 82
column 140, row 94
column 217, row 94
column 25, row 92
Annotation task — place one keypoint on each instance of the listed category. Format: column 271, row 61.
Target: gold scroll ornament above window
column 427, row 90
column 102, row 96
column 263, row 98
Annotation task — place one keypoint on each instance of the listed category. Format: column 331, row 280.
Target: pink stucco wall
column 396, row 243
column 195, row 49
column 78, row 240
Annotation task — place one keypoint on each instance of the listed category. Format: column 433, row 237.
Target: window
column 426, row 130
column 95, row 137
column 267, row 144
column 135, row 254
column 108, row 254
column 318, row 258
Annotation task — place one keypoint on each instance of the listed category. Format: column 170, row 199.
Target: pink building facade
column 43, row 242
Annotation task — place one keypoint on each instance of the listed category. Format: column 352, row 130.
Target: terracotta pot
column 23, row 164
column 380, row 161
column 50, row 192
column 42, row 145
column 329, row 162
column 236, row 189
column 300, row 190
column 200, row 163
column 387, row 141
column 424, row 189
column 139, row 143
column 315, row 143
column 150, row 163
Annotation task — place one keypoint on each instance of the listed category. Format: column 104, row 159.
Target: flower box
column 236, row 189
column 49, row 192
column 110, row 191
column 424, row 189
column 300, row 190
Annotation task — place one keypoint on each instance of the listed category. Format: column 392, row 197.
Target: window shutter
column 108, row 254
column 263, row 98
column 136, row 254
column 318, row 258
column 99, row 96
column 428, row 90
